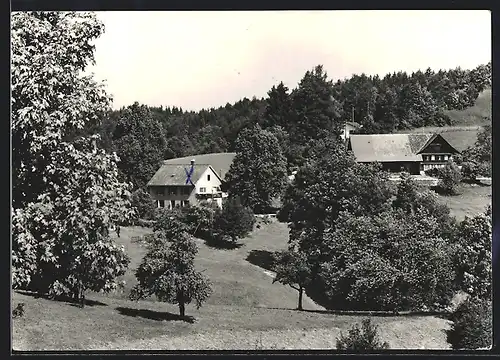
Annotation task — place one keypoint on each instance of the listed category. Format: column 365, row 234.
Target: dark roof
column 433, row 137
column 220, row 162
column 170, row 175
column 388, row 147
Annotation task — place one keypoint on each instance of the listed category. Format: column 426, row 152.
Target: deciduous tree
column 292, row 268
column 477, row 159
column 472, row 326
column 140, row 140
column 389, row 261
column 258, row 172
column 167, row 270
column 473, row 258
column 144, row 204
column 233, row 222
column 66, row 192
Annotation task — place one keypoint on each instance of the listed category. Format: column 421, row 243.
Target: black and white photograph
column 251, row 180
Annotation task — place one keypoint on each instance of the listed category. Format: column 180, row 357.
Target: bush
column 472, row 325
column 144, row 203
column 18, row 311
column 469, row 171
column 472, row 170
column 199, row 220
column 234, row 221
column 434, row 172
column 364, row 338
column 449, row 179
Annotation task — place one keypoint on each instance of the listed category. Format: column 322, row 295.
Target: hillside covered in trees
column 317, row 108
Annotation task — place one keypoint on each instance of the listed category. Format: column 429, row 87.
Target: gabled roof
column 432, row 138
column 220, row 162
column 175, row 175
column 388, row 147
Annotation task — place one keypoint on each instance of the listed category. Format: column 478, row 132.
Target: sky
column 204, row 59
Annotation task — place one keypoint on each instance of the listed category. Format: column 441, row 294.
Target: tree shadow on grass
column 222, row 245
column 154, row 315
column 439, row 190
column 475, row 182
column 66, row 299
column 367, row 313
column 262, row 258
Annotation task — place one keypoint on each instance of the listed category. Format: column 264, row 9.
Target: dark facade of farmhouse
column 413, row 153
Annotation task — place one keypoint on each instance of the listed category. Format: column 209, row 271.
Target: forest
column 144, row 135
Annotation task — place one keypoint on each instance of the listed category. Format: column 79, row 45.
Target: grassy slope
column 245, row 309
column 121, row 324
column 465, row 123
column 236, row 281
column 479, row 114
column 471, row 201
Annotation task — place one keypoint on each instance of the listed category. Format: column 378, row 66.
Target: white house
column 175, row 185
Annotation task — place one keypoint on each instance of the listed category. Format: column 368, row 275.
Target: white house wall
column 203, row 182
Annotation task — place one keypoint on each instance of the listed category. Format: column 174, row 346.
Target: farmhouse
column 414, row 153
column 191, row 180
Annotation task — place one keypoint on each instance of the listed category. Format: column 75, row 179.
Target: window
column 172, row 190
column 161, row 203
column 186, row 190
column 160, row 191
column 445, row 157
column 202, row 189
column 432, row 157
column 208, row 177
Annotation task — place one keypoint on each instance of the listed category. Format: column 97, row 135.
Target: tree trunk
column 182, row 309
column 80, row 296
column 76, row 295
column 301, row 290
column 82, row 299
